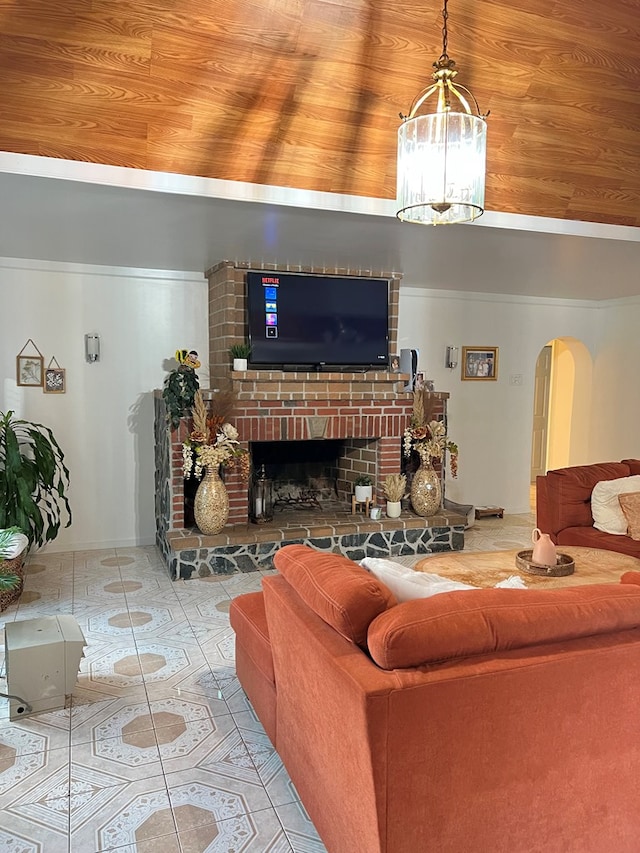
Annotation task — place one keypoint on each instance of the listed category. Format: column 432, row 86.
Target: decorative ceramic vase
column 211, row 504
column 426, row 491
column 544, row 551
column 394, row 508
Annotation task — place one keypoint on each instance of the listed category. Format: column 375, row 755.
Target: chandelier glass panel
column 442, row 155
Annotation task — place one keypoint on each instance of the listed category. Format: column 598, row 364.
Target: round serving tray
column 564, row 565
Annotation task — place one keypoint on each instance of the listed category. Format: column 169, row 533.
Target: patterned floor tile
column 213, row 746
column 162, row 844
column 27, row 775
column 132, row 755
column 50, row 727
column 199, row 798
column 122, row 816
column 198, row 687
column 89, row 711
column 240, row 583
column 40, row 834
column 301, row 833
column 259, row 832
column 271, row 770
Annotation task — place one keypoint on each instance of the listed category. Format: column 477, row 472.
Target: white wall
column 616, row 387
column 491, row 421
column 104, row 422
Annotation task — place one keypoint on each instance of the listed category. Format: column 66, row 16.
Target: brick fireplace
column 366, row 412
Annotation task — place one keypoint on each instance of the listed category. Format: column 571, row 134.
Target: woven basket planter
column 12, row 567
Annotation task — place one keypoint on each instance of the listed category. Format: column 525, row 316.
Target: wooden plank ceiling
column 306, row 93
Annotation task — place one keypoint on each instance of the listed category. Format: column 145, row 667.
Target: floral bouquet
column 429, row 440
column 211, row 443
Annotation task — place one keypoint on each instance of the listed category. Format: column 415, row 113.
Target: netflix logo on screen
column 270, row 279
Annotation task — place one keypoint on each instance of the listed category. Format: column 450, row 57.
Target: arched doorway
column 561, row 405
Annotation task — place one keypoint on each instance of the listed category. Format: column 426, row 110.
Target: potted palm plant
column 33, row 480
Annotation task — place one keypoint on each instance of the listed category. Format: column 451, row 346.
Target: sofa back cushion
column 568, row 493
column 340, row 592
column 483, row 621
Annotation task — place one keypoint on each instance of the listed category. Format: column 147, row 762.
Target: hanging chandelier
column 442, row 154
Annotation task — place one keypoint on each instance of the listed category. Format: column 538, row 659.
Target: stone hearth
column 249, row 547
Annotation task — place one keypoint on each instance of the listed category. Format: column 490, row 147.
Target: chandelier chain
column 445, row 16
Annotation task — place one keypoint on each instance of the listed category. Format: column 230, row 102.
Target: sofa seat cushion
column 340, row 592
column 484, row 621
column 249, row 621
column 589, row 537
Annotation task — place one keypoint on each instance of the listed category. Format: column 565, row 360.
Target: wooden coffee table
column 487, row 568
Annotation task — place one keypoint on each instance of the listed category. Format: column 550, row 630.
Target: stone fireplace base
column 250, row 547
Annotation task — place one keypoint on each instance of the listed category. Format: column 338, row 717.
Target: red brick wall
column 369, row 410
column 372, row 431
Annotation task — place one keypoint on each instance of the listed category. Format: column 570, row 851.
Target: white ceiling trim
column 166, row 182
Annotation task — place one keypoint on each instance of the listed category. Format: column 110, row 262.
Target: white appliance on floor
column 43, row 658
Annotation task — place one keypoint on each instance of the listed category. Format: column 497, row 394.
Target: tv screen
column 317, row 320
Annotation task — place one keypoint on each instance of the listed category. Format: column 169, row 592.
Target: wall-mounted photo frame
column 29, row 370
column 54, row 378
column 480, row 363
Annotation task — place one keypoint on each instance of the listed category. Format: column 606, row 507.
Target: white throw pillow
column 406, row 584
column 605, row 506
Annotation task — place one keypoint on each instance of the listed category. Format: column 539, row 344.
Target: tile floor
column 160, row 750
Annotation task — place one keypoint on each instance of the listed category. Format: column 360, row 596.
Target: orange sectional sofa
column 563, row 506
column 491, row 720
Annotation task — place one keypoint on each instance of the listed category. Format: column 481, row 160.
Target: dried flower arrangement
column 428, row 438
column 394, row 487
column 213, row 441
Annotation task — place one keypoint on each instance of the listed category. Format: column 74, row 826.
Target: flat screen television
column 315, row 320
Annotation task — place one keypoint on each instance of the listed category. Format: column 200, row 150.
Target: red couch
column 492, row 720
column 563, row 505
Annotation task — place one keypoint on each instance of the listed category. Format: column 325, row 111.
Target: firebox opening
column 304, row 473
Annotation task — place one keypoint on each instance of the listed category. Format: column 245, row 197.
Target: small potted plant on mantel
column 240, row 353
column 364, row 488
column 394, row 488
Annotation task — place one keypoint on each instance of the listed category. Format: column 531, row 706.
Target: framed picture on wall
column 29, row 370
column 54, row 380
column 480, row 363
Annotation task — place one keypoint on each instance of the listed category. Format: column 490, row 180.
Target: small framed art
column 480, row 363
column 54, row 380
column 29, row 370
